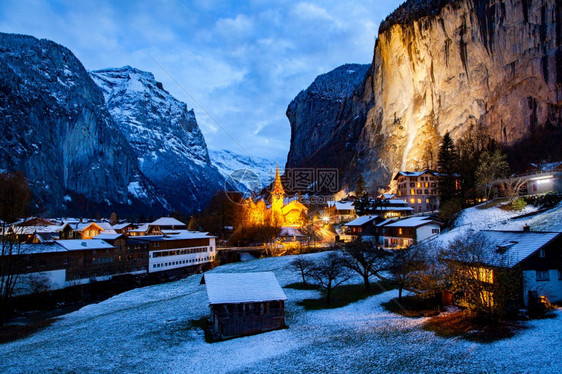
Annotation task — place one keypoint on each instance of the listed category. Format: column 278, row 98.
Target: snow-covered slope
column 474, row 219
column 164, row 135
column 150, row 330
column 230, row 164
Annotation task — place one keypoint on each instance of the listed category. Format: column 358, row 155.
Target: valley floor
column 149, row 330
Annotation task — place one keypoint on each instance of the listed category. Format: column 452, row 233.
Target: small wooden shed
column 244, row 303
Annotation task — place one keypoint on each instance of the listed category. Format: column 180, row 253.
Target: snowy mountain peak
column 163, row 133
column 230, row 164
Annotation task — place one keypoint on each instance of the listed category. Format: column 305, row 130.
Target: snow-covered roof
column 395, row 202
column 142, row 228
column 345, row 205
column 518, row 244
column 412, row 222
column 39, row 248
column 231, row 288
column 120, row 226
column 167, row 221
column 106, row 227
column 385, row 222
column 182, row 235
column 107, row 236
column 415, row 173
column 80, row 244
column 360, row 221
column 29, row 230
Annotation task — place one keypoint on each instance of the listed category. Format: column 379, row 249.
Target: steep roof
column 415, row 173
column 167, row 221
column 232, row 288
column 360, row 221
column 346, row 205
column 518, row 245
column 412, row 222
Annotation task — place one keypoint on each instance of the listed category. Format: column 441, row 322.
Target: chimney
column 526, row 228
column 84, row 244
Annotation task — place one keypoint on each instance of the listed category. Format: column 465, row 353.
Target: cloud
column 243, row 63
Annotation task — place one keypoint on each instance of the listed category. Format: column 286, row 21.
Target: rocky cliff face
column 55, row 128
column 163, row 134
column 444, row 66
column 327, row 118
column 496, row 62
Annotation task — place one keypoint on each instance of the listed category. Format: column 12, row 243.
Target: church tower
column 277, row 200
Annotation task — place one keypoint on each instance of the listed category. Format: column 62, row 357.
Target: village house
column 406, row 232
column 536, row 256
column 420, row 189
column 244, row 303
column 341, row 211
column 361, row 227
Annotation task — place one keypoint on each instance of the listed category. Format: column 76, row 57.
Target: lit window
column 426, row 185
column 412, row 192
column 487, row 298
column 400, row 231
column 427, row 201
column 419, row 201
column 542, row 275
column 419, row 184
column 412, row 200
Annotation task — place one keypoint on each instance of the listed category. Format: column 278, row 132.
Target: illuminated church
column 282, row 211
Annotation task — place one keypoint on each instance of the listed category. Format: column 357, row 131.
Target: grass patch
column 303, row 286
column 472, row 329
column 413, row 306
column 345, row 295
column 492, row 203
column 11, row 333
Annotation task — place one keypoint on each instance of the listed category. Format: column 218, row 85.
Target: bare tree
column 303, row 266
column 330, row 273
column 365, row 259
column 406, row 269
column 481, row 276
column 14, row 197
column 512, row 187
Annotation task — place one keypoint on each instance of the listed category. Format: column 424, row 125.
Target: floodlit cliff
column 443, row 66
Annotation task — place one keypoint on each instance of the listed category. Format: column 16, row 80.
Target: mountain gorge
column 451, row 66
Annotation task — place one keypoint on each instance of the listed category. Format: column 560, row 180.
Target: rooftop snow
column 519, row 244
column 411, row 222
column 107, row 236
column 231, row 288
column 79, row 244
column 347, row 205
column 361, row 220
column 167, row 221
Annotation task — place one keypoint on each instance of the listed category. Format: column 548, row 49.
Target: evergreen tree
column 360, row 186
column 491, row 167
column 448, row 167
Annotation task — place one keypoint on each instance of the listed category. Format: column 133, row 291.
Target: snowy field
column 148, row 330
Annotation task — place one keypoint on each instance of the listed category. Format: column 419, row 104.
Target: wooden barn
column 244, row 303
